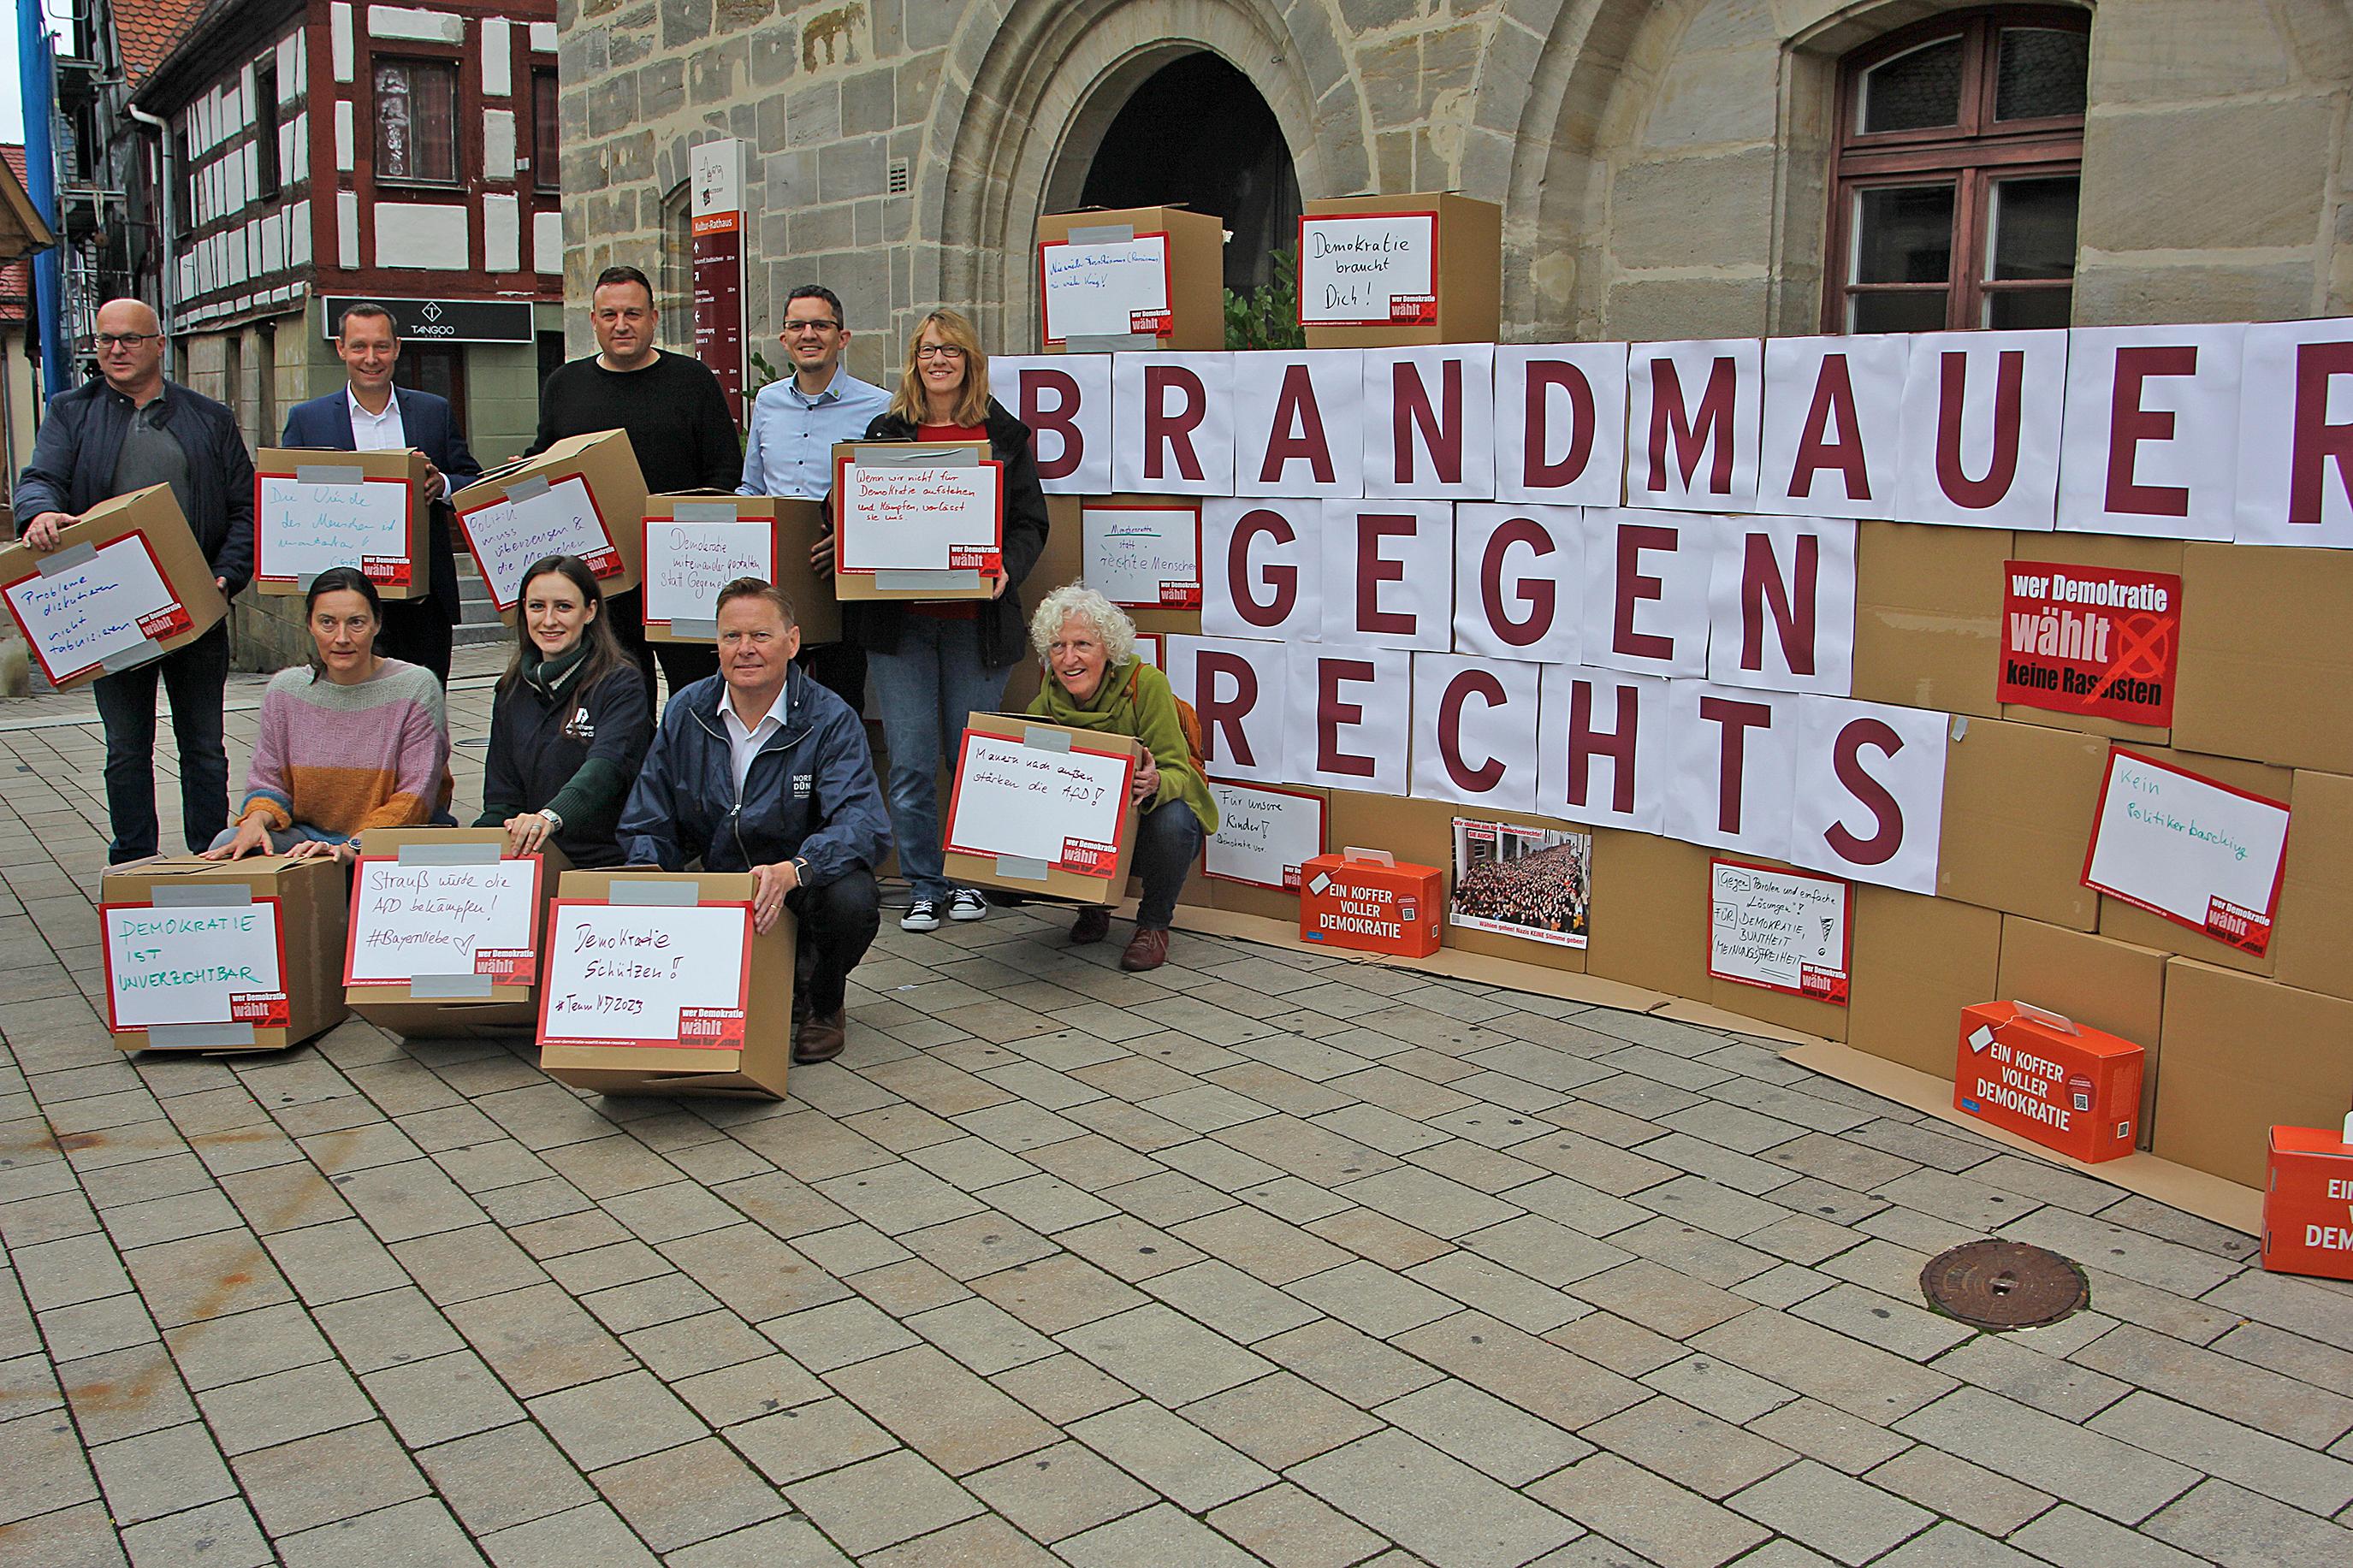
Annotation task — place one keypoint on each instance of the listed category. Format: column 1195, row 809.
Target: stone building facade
column 1664, row 166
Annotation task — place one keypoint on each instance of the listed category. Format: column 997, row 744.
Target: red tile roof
column 149, row 30
column 16, row 277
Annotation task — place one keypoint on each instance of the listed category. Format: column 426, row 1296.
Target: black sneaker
column 967, row 904
column 922, row 914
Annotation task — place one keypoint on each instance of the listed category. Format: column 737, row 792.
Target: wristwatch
column 554, row 822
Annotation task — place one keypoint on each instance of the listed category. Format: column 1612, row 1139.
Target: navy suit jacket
column 432, row 428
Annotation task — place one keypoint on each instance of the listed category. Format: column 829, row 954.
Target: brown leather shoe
column 1093, row 925
column 821, row 1039
column 1145, row 949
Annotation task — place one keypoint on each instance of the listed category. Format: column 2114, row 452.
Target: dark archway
column 1196, row 131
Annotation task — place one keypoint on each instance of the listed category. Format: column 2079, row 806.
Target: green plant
column 1267, row 316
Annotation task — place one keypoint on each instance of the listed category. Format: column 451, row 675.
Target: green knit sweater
column 1135, row 699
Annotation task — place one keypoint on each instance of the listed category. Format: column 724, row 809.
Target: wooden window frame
column 1969, row 157
column 460, row 106
column 546, row 162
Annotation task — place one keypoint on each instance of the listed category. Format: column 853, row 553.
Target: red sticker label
column 1416, row 309
column 263, row 1009
column 606, row 563
column 710, row 1028
column 1088, row 857
column 981, row 558
column 1290, row 877
column 1828, row 984
column 1180, row 595
column 392, row 571
column 2242, row 928
column 514, row 965
column 169, row 621
column 1158, row 323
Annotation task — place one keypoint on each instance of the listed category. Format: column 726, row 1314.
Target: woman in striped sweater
column 350, row 741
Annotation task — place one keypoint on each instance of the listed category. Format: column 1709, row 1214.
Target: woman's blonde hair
column 1110, row 623
column 971, row 407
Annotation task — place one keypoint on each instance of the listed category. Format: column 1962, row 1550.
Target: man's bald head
column 130, row 348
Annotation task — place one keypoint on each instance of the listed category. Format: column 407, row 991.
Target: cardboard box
column 2128, row 923
column 2019, row 805
column 2311, row 934
column 1649, row 913
column 2049, row 1079
column 858, row 587
column 2267, row 666
column 170, row 925
column 2244, row 1054
column 584, row 495
column 1370, row 900
column 1082, row 871
column 1470, row 272
column 497, row 993
column 2095, row 550
column 1917, row 963
column 2106, row 985
column 2308, row 1203
column 747, row 1060
column 1928, row 616
column 316, row 491
column 139, row 537
column 1196, row 275
column 793, row 526
column 1059, row 563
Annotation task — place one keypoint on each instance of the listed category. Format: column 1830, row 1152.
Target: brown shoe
column 1145, row 949
column 1093, row 925
column 821, row 1039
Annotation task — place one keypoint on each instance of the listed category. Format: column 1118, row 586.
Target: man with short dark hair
column 760, row 769
column 370, row 414
column 678, row 423
column 106, row 437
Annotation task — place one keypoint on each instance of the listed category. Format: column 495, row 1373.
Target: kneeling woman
column 1094, row 681
column 349, row 741
column 570, row 725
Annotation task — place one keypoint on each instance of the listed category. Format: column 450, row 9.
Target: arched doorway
column 1196, row 131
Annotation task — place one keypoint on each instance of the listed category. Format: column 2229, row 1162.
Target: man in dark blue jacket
column 127, row 431
column 371, row 414
column 760, row 769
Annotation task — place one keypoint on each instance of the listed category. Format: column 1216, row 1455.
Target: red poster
column 2096, row 640
column 719, row 301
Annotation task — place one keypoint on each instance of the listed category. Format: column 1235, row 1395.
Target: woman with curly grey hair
column 1094, row 681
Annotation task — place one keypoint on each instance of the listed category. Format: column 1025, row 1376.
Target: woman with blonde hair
column 1094, row 681
column 930, row 663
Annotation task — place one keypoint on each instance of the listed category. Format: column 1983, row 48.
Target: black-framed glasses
column 939, row 350
column 125, row 340
column 811, row 327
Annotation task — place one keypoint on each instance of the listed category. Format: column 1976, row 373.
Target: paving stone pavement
column 1264, row 1257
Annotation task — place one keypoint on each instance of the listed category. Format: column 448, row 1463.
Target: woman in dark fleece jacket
column 570, row 725
column 929, row 664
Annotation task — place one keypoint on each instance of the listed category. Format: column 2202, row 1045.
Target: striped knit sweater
column 345, row 758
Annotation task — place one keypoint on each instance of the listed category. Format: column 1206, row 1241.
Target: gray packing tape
column 1103, row 233
column 527, row 490
column 304, row 580
column 196, row 1036
column 705, row 512
column 925, row 582
column 207, row 896
column 931, row 456
column 450, row 987
column 65, row 560
column 692, row 626
column 329, row 474
column 1046, row 740
column 131, row 657
column 1109, row 342
column 1021, row 868
column 449, row 854
column 673, row 893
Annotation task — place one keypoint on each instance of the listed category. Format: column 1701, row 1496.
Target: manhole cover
column 2002, row 1285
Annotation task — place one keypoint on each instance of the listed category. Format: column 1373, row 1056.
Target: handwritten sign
column 303, row 528
column 2200, row 853
column 649, row 975
column 111, row 603
column 1369, row 269
column 1067, row 809
column 1784, row 931
column 1263, row 836
column 193, row 963
column 1104, row 291
column 1146, row 556
column 688, row 563
column 907, row 517
column 409, row 920
column 1533, row 883
column 507, row 535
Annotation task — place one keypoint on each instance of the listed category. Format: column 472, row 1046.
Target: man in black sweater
column 678, row 425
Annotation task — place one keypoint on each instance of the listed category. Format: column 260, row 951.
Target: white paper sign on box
column 1065, row 808
column 2200, row 853
column 508, row 535
column 1264, row 836
column 307, row 528
column 109, row 604
column 413, row 920
column 1369, row 269
column 1107, row 290
column 1146, row 556
column 189, row 964
column 624, row 974
column 1782, row 929
column 908, row 517
column 688, row 563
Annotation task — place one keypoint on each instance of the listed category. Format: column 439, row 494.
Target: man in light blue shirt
column 794, row 423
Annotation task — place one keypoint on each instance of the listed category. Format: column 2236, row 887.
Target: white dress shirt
column 744, row 744
column 381, row 432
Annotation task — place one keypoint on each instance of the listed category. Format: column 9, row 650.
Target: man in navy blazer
column 371, row 414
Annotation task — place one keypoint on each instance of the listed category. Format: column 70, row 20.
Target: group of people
column 1543, row 891
column 759, row 763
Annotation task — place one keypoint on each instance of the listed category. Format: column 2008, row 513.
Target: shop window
column 1959, row 167
column 417, row 121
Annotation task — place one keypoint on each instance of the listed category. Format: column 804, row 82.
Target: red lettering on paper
column 1281, row 582
column 1584, row 740
column 2129, row 425
column 2008, row 400
column 1060, row 417
column 1538, row 593
column 2318, row 443
column 1469, row 683
column 1693, row 434
column 1372, row 569
column 1833, row 400
column 1409, row 405
column 1173, row 429
column 1846, row 761
column 1332, row 714
column 1543, row 377
column 1735, row 720
column 1792, row 604
column 1298, row 430
column 1634, row 585
column 1221, row 717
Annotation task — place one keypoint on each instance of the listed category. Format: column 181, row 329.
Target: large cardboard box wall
column 2266, row 666
column 1928, row 616
column 1917, row 963
column 2244, row 1054
column 1649, row 913
column 2018, row 803
column 2312, row 941
column 2094, row 980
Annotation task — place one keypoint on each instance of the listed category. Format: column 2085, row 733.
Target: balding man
column 108, row 438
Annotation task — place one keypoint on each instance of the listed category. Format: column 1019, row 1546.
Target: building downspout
column 167, row 269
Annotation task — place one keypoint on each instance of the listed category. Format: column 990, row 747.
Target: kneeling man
column 760, row 769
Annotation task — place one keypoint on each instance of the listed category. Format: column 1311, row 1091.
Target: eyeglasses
column 939, row 350
column 811, row 327
column 125, row 340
